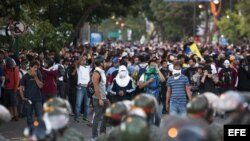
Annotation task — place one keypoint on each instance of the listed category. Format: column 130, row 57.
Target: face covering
column 176, row 74
column 122, row 74
column 151, row 70
column 226, row 65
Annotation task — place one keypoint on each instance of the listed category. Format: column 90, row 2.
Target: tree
column 136, row 24
column 52, row 14
column 230, row 26
column 235, row 24
column 46, row 37
column 176, row 19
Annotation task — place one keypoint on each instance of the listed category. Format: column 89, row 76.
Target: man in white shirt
column 83, row 75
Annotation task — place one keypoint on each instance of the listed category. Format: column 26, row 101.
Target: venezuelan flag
column 195, row 50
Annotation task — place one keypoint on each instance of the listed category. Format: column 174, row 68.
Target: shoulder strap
column 99, row 75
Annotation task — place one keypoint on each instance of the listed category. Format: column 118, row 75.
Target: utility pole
column 17, row 18
column 231, row 5
column 194, row 18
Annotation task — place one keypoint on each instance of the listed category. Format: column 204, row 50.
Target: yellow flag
column 195, row 50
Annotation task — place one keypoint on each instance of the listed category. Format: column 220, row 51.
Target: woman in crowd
column 122, row 87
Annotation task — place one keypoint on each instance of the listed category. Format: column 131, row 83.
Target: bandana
column 122, row 77
column 176, row 74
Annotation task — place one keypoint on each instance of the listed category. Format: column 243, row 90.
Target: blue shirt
column 178, row 89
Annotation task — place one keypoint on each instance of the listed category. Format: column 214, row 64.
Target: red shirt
column 12, row 78
column 49, row 82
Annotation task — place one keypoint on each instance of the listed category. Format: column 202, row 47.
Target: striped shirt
column 178, row 89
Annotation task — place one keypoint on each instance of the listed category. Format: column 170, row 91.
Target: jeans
column 29, row 108
column 81, row 94
column 60, row 88
column 177, row 108
column 157, row 115
column 99, row 117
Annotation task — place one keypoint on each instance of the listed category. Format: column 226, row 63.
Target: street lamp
column 122, row 24
column 200, row 6
column 216, row 1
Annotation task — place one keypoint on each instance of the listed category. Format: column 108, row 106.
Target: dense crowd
column 176, row 82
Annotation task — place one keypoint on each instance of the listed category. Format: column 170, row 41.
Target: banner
column 95, row 38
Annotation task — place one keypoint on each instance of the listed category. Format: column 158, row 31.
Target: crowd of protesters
column 119, row 71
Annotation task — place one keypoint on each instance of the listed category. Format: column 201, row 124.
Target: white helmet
column 231, row 101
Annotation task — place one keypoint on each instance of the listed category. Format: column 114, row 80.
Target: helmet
column 231, row 101
column 134, row 128
column 137, row 112
column 58, row 117
column 212, row 99
column 197, row 104
column 147, row 102
column 40, row 130
column 57, row 102
column 129, row 104
column 4, row 114
column 116, row 112
column 184, row 129
column 198, row 107
column 247, row 100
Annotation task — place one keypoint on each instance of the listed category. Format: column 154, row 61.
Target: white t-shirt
column 142, row 78
column 83, row 73
column 214, row 70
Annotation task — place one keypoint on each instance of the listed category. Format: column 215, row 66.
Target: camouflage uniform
column 69, row 134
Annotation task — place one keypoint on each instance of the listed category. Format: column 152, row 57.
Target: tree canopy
column 50, row 15
column 235, row 24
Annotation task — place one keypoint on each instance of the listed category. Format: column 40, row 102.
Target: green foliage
column 230, row 26
column 176, row 19
column 50, row 19
column 136, row 24
column 46, row 37
column 235, row 25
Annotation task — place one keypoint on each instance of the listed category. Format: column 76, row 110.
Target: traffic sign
column 17, row 28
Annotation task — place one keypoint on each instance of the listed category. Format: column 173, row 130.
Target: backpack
column 140, row 72
column 90, row 86
column 226, row 77
column 112, row 76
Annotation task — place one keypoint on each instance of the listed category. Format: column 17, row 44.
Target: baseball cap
column 115, row 60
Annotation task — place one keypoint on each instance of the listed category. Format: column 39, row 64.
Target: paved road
column 14, row 130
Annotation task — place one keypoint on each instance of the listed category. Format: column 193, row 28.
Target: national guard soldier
column 201, row 107
column 4, row 117
column 57, row 112
column 40, row 130
column 176, row 128
column 114, row 115
column 148, row 104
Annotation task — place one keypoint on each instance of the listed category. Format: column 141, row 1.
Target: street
column 14, row 130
